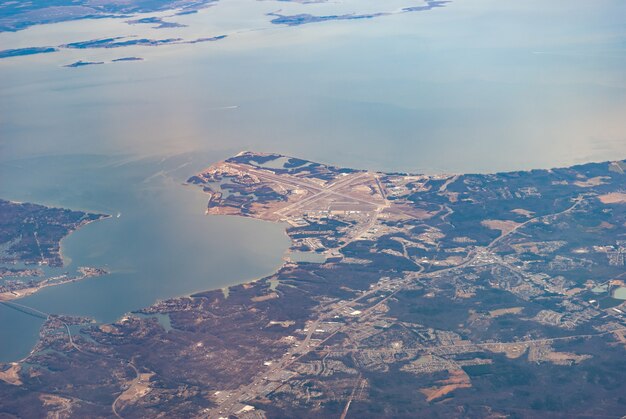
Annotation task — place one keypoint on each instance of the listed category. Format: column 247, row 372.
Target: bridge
column 26, row 310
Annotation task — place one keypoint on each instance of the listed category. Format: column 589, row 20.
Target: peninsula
column 457, row 296
column 30, row 237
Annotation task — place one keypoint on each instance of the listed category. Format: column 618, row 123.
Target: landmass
column 120, row 41
column 303, row 1
column 19, row 15
column 477, row 295
column 305, row 18
column 117, row 60
column 115, row 42
column 19, row 52
column 30, row 234
column 15, row 289
column 206, row 39
column 82, row 63
column 15, row 15
column 19, row 272
column 159, row 22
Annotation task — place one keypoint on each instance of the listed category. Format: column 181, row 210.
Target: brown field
column 504, row 226
column 14, row 295
column 11, row 376
column 511, row 351
column 594, row 181
column 266, row 297
column 574, row 291
column 613, row 198
column 139, row 387
column 55, row 403
column 450, row 261
column 566, row 358
column 461, row 294
column 523, row 212
column 110, row 329
column 452, row 196
column 502, row 311
column 458, row 379
column 606, row 226
column 224, row 211
column 403, row 211
column 620, row 335
column 545, row 353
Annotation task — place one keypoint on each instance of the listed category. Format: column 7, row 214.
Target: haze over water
column 480, row 85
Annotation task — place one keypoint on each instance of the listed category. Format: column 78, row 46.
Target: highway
column 250, row 391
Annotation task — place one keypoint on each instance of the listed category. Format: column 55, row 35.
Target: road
column 132, row 383
column 577, row 201
column 249, row 392
column 318, row 191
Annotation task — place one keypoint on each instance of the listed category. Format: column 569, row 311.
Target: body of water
column 162, row 244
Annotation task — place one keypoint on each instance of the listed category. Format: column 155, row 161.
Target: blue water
column 162, row 245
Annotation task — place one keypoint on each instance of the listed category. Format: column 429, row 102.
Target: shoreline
column 15, row 289
column 85, row 273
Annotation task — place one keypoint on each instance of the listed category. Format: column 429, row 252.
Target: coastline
column 14, row 290
column 85, row 273
column 380, row 264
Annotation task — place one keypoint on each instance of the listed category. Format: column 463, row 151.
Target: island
column 305, row 18
column 82, row 63
column 120, row 41
column 451, row 295
column 159, row 22
column 20, row 52
column 106, row 43
column 124, row 59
